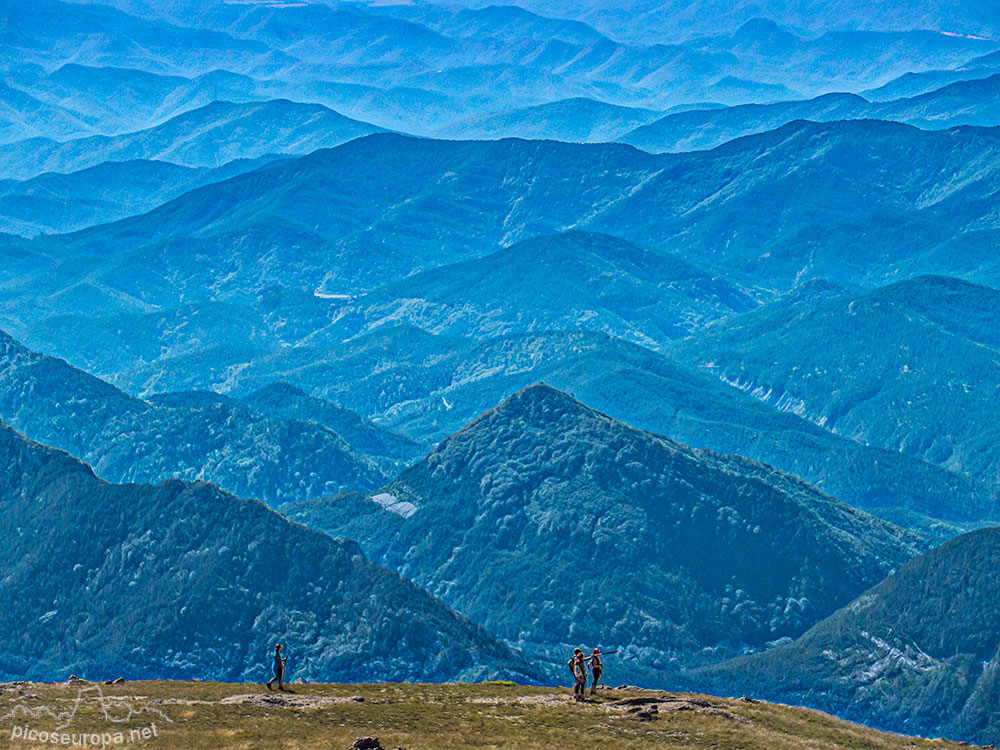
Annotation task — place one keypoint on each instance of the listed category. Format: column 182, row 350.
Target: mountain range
column 50, row 33
column 54, row 203
column 553, row 524
column 74, row 98
column 915, row 84
column 89, row 69
column 882, row 199
column 109, row 100
column 314, row 222
column 680, row 19
column 964, row 102
column 221, row 133
column 927, row 388
column 735, row 262
column 932, row 100
column 210, row 136
column 208, row 319
column 188, row 435
column 185, row 581
column 429, row 386
column 499, row 316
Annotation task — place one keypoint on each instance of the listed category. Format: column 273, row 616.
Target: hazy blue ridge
column 192, row 436
column 54, row 203
column 910, row 367
column 210, row 136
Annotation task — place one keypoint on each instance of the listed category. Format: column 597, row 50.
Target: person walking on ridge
column 279, row 669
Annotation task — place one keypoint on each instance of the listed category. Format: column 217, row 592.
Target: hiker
column 596, row 668
column 578, row 668
column 279, row 669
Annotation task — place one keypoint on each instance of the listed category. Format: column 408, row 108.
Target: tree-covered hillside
column 187, row 436
column 911, row 367
column 915, row 654
column 555, row 525
column 185, row 581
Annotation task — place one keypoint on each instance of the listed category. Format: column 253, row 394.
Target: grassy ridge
column 216, row 716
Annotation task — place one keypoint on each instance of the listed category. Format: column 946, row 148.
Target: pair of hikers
column 279, row 669
column 578, row 668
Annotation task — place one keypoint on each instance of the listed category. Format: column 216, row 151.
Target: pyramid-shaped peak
column 539, row 405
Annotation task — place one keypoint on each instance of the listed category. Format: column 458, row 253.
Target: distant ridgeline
column 277, row 444
column 588, row 324
column 419, row 282
column 80, row 71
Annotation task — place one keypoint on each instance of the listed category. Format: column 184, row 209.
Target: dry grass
column 216, row 716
